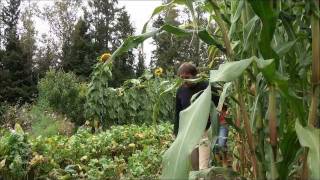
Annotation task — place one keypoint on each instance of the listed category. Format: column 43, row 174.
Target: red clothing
column 222, row 116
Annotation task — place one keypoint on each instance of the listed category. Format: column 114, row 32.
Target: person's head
column 187, row 71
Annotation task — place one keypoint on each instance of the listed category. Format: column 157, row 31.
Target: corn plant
column 272, row 63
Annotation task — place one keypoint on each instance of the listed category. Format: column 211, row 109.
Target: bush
column 16, row 114
column 64, row 93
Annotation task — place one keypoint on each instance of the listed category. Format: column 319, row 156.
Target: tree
column 62, row 17
column 124, row 65
column 140, row 65
column 28, row 35
column 111, row 26
column 45, row 56
column 80, row 57
column 16, row 73
column 1, row 26
column 171, row 50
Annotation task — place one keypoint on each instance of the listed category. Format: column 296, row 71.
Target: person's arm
column 177, row 115
column 215, row 96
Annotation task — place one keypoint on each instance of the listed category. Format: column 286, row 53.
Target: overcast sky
column 139, row 11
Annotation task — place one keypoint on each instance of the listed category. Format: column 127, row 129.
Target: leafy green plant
column 132, row 102
column 15, row 153
column 270, row 77
column 120, row 151
column 64, row 93
column 16, row 114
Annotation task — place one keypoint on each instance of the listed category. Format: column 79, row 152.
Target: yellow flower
column 83, row 158
column 158, row 71
column 132, row 145
column 37, row 159
column 104, row 57
column 139, row 135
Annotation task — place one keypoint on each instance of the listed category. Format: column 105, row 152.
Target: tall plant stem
column 315, row 84
column 272, row 116
column 240, row 146
column 315, row 79
column 247, row 127
column 242, row 108
column 223, row 28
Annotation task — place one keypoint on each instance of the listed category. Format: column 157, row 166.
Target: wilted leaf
column 18, row 128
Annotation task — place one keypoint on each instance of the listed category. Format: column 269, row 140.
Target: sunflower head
column 158, row 72
column 104, row 57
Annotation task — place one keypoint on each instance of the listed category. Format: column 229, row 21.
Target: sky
column 139, row 10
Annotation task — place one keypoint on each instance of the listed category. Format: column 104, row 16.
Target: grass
column 47, row 123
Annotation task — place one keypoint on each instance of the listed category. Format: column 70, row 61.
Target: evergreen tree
column 124, row 65
column 28, row 35
column 16, row 77
column 45, row 56
column 1, row 27
column 171, row 50
column 140, row 65
column 111, row 27
column 62, row 17
column 80, row 58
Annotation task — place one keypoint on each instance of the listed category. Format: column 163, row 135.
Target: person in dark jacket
column 185, row 92
column 201, row 154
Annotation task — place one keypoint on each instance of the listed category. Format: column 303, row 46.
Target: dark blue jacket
column 183, row 97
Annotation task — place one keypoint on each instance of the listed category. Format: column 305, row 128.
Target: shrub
column 64, row 93
column 16, row 114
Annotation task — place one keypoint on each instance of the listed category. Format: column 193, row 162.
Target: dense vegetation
column 94, row 115
column 129, row 151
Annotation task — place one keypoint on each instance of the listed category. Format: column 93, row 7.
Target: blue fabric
column 223, row 135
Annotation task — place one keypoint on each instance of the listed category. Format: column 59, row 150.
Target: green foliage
column 46, row 123
column 16, row 114
column 80, row 56
column 15, row 153
column 173, row 50
column 17, row 83
column 310, row 137
column 112, row 26
column 3, row 108
column 131, row 103
column 193, row 120
column 120, row 152
column 64, row 94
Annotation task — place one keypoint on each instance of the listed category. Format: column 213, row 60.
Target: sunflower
column 104, row 57
column 158, row 71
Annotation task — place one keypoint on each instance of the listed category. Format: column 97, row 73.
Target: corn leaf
column 269, row 20
column 193, row 120
column 230, row 70
column 310, row 137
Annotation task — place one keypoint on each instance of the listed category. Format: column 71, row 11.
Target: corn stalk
column 242, row 107
column 315, row 79
column 315, row 84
